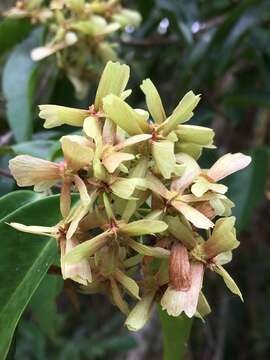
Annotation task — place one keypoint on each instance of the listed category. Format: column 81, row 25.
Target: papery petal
column 109, row 132
column 176, row 302
column 92, row 129
column 154, row 184
column 113, row 160
column 192, row 169
column 223, row 238
column 182, row 113
column 124, row 116
column 227, row 165
column 138, row 172
column 141, row 312
column 28, row 170
column 143, row 227
column 79, row 272
column 203, row 307
column 123, row 187
column 163, row 154
column 39, row 230
column 88, row 248
column 56, row 115
column 133, row 140
column 153, row 101
column 127, row 282
column 145, row 250
column 113, row 81
column 77, row 151
column 195, row 134
column 118, row 298
column 193, row 215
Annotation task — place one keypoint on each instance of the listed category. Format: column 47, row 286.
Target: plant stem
column 176, row 331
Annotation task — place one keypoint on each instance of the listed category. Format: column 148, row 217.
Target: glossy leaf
column 176, row 332
column 15, row 200
column 25, row 260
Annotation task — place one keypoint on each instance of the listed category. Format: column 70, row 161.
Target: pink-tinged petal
column 28, row 170
column 193, row 215
column 79, row 272
column 115, row 159
column 227, row 165
column 192, row 170
column 176, row 302
column 154, row 184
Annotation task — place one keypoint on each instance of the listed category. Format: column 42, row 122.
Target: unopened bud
column 179, row 268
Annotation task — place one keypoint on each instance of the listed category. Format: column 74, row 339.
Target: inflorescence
column 150, row 222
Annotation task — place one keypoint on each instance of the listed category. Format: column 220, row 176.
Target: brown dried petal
column 179, row 268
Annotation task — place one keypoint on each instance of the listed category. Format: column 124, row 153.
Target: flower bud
column 179, row 268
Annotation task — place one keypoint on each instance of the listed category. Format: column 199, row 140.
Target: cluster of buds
column 150, row 222
column 80, row 33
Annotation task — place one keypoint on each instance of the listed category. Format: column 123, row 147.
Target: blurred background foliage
column 220, row 49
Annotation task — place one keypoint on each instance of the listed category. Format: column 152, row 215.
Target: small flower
column 31, row 171
column 225, row 166
column 178, row 301
column 79, row 272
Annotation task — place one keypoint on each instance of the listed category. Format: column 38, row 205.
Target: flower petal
column 56, row 115
column 153, row 101
column 141, row 312
column 77, row 151
column 193, row 215
column 28, row 170
column 113, row 81
column 124, row 116
column 145, row 250
column 163, row 154
column 227, row 165
column 182, row 113
column 113, row 160
column 88, row 248
column 143, row 227
column 127, row 282
column 176, row 302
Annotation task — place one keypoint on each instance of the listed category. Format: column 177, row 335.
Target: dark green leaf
column 24, row 260
column 15, row 200
column 176, row 332
column 43, row 304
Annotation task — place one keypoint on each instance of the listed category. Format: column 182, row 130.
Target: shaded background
column 220, row 49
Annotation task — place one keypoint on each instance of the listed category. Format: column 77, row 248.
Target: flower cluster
column 150, row 222
column 78, row 32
